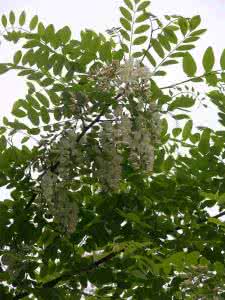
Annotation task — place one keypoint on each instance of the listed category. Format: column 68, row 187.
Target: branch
column 67, row 276
column 188, row 80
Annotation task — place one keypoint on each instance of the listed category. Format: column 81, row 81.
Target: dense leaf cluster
column 108, row 199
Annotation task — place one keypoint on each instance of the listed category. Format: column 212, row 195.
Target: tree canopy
column 110, row 182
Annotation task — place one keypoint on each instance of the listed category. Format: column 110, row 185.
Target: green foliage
column 110, row 182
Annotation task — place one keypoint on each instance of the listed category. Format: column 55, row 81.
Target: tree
column 108, row 198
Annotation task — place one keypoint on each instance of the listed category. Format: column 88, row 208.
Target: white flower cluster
column 132, row 71
column 53, row 185
column 138, row 135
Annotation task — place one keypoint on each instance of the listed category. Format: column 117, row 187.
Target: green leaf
column 17, row 57
column 22, row 18
column 3, row 68
column 31, row 44
column 65, row 34
column 143, row 17
column 204, row 144
column 183, row 25
column 4, row 21
column 170, row 62
column 45, row 115
column 150, row 58
column 185, row 47
column 157, row 47
column 33, row 22
column 125, row 34
column 140, row 40
column 164, row 42
column 198, row 32
column 208, row 59
column 128, row 4
column 141, row 29
column 222, row 60
column 187, row 130
column 143, row 5
column 105, row 52
column 189, row 65
column 176, row 131
column 125, row 24
column 44, row 100
column 181, row 102
column 194, row 22
column 127, row 15
column 33, row 116
column 12, row 17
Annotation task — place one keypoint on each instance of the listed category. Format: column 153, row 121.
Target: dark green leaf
column 185, row 47
column 204, row 144
column 150, row 58
column 198, row 32
column 125, row 34
column 105, row 52
column 45, row 115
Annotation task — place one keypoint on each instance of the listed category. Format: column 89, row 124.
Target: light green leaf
column 157, row 47
column 12, row 17
column 194, row 22
column 142, row 18
column 17, row 57
column 127, row 15
column 181, row 102
column 143, row 5
column 105, row 52
column 33, row 22
column 187, row 130
column 65, row 34
column 33, row 116
column 170, row 62
column 198, row 32
column 128, row 4
column 186, row 47
column 22, row 18
column 125, row 34
column 189, row 65
column 183, row 25
column 150, row 58
column 140, row 40
column 208, row 59
column 125, row 24
column 4, row 20
column 141, row 29
column 44, row 100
